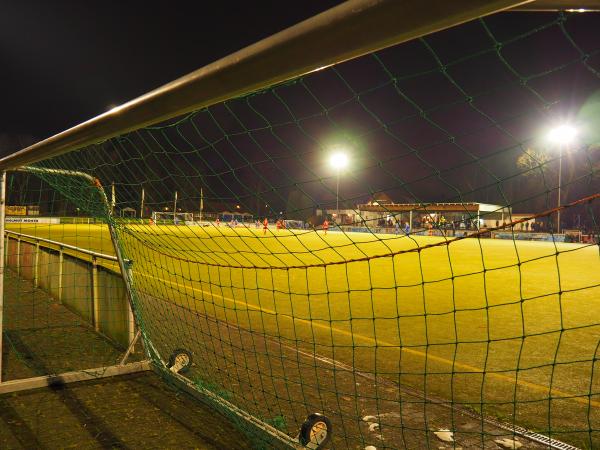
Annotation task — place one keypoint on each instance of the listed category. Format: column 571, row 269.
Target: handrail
column 347, row 31
column 63, row 245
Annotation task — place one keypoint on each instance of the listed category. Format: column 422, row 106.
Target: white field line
column 554, row 393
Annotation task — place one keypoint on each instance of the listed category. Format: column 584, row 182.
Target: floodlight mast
column 561, row 136
column 339, row 161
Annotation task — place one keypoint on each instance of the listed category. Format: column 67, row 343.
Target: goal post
column 178, row 218
column 415, row 125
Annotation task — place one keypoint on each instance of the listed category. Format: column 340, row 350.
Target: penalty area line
column 556, row 393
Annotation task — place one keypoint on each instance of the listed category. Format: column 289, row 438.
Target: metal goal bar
column 347, row 31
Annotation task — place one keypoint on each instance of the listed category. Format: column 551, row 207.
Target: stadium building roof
column 428, row 207
column 380, row 198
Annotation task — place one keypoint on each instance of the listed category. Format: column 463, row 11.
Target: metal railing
column 60, row 247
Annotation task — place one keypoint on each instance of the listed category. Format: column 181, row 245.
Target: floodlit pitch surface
column 512, row 327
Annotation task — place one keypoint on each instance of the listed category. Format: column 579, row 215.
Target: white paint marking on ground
column 512, row 444
column 455, row 365
column 445, row 435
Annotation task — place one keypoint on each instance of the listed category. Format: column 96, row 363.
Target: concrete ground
column 125, row 412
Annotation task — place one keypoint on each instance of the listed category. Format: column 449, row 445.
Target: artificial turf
column 508, row 327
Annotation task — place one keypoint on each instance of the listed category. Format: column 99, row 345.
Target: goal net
column 424, row 294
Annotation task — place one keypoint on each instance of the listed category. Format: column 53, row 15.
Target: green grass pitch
column 508, row 327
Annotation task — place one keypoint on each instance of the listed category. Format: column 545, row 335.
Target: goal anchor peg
column 316, row 431
column 180, row 361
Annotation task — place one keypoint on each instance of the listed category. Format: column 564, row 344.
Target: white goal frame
column 177, row 218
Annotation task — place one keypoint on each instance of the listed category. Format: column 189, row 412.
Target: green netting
column 442, row 295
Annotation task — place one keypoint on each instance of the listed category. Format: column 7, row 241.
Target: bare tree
column 533, row 162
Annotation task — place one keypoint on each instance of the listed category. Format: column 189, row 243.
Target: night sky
column 443, row 118
column 64, row 62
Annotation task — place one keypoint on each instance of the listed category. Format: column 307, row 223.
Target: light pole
column 175, row 206
column 561, row 136
column 339, row 161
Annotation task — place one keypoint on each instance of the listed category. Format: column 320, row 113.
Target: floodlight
column 562, row 134
column 338, row 160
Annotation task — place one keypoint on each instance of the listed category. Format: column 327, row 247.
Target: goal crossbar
column 347, row 31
